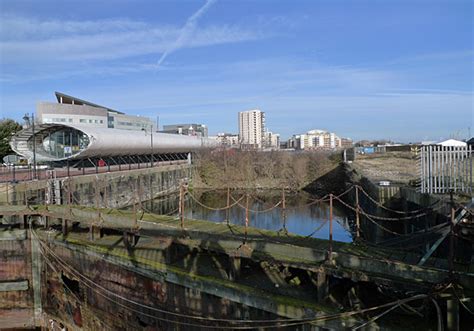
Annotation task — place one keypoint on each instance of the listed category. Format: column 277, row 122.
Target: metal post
column 283, row 210
column 182, row 205
column 69, row 196
column 83, row 169
column 14, row 173
column 64, row 226
column 106, row 203
column 357, row 212
column 68, row 173
column 452, row 318
column 151, row 146
column 246, row 217
column 34, row 145
column 135, row 221
column 451, row 236
column 228, row 206
column 330, row 226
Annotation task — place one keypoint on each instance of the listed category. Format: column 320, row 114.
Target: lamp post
column 26, row 118
column 151, row 142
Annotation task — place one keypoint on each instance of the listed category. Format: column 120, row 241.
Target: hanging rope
column 214, row 208
column 380, row 217
column 263, row 210
column 398, row 211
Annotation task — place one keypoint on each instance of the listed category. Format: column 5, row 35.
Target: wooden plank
column 20, row 285
column 21, row 319
column 12, row 235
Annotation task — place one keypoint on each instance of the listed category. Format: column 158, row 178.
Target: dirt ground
column 397, row 167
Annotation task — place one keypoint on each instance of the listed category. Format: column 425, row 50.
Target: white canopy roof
column 452, row 142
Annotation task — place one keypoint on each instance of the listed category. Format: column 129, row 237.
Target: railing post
column 228, row 206
column 181, row 203
column 283, row 210
column 451, row 235
column 106, row 203
column 330, row 226
column 69, row 196
column 246, row 217
column 135, row 221
column 357, row 212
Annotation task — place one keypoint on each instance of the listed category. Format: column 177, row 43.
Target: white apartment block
column 316, row 139
column 227, row 139
column 252, row 129
column 272, row 140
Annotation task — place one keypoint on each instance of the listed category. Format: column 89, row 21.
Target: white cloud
column 26, row 41
column 24, row 28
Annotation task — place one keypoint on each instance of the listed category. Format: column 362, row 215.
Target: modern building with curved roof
column 63, row 142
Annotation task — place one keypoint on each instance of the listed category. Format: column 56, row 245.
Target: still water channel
column 304, row 216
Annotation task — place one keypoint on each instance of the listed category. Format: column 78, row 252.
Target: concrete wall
column 120, row 189
column 111, row 190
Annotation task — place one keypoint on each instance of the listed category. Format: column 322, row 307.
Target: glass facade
column 61, row 143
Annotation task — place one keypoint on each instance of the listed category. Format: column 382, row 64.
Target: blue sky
column 401, row 70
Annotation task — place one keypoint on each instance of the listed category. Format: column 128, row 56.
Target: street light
column 151, row 142
column 26, row 118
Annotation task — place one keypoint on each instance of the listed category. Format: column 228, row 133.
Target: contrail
column 187, row 29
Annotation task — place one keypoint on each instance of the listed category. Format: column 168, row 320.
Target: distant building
column 71, row 110
column 347, row 143
column 191, row 129
column 252, row 129
column 272, row 140
column 228, row 140
column 318, row 139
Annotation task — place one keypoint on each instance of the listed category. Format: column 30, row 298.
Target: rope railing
column 254, row 211
column 394, row 210
column 236, row 202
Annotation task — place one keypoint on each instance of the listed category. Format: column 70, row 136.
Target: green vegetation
column 7, row 128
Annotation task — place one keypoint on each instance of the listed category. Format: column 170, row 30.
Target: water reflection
column 302, row 217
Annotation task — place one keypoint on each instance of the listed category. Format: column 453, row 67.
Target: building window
column 82, row 120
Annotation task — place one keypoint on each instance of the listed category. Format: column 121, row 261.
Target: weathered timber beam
column 18, row 285
column 8, row 235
